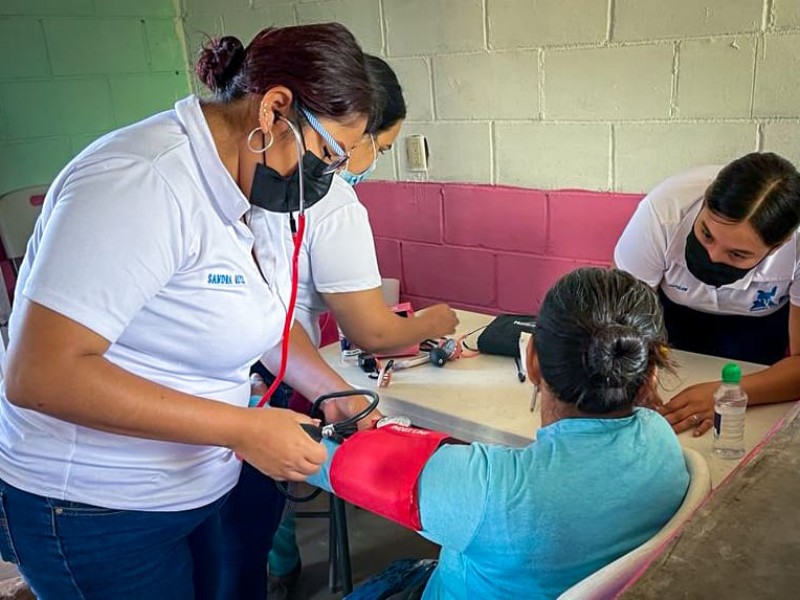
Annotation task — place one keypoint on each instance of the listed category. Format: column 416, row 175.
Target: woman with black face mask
column 723, row 248
column 124, row 417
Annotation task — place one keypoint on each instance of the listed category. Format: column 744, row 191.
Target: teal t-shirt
column 530, row 522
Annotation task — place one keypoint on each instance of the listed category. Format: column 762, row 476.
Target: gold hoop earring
column 259, row 150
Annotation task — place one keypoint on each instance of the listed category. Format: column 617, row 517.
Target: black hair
column 599, row 336
column 389, row 101
column 321, row 64
column 761, row 188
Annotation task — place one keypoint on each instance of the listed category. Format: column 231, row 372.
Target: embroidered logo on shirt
column 764, row 299
column 225, row 279
column 682, row 288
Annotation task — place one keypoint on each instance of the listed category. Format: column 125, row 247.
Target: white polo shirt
column 653, row 248
column 141, row 240
column 337, row 255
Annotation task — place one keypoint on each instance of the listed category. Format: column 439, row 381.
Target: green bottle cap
column 731, row 373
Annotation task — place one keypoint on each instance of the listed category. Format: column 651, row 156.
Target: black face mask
column 280, row 194
column 701, row 266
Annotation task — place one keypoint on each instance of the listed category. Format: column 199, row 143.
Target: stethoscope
column 298, row 231
column 333, row 431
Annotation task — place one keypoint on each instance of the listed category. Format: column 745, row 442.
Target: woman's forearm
column 372, row 326
column 391, row 332
column 778, row 383
column 306, row 370
column 308, row 373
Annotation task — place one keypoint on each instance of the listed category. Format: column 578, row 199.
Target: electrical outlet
column 417, row 152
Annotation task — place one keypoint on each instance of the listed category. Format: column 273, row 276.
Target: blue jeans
column 73, row 551
column 404, row 579
column 249, row 519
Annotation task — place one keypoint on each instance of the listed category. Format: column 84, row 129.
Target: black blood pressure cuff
column 501, row 336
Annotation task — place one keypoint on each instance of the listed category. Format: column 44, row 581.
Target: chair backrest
column 611, row 579
column 18, row 213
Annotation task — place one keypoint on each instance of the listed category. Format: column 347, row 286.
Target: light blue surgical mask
column 356, row 178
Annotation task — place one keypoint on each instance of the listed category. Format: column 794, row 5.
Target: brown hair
column 321, row 64
column 599, row 335
column 761, row 188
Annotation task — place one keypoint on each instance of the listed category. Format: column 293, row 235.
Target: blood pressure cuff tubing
column 379, row 469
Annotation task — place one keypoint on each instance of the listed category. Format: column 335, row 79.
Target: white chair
column 609, row 581
column 18, row 213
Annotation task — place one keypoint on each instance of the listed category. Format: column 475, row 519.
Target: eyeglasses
column 338, row 158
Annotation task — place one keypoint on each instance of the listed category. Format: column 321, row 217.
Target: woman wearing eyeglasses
column 140, row 308
column 722, row 246
column 338, row 273
column 338, row 267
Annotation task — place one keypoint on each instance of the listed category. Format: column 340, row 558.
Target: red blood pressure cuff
column 379, row 469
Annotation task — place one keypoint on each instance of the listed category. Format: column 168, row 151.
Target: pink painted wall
column 489, row 248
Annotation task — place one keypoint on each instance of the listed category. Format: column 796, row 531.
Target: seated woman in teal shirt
column 602, row 477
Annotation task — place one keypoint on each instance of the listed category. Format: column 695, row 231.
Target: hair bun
column 220, row 61
column 616, row 356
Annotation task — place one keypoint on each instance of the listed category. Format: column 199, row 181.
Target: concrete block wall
column 489, row 248
column 71, row 70
column 608, row 95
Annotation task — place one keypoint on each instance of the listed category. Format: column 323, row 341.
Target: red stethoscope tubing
column 297, row 238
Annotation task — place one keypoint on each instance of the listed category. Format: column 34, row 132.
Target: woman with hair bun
column 140, row 299
column 602, row 477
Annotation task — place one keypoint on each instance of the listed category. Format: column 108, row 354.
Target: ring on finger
column 695, row 420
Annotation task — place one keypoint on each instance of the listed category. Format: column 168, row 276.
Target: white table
column 481, row 399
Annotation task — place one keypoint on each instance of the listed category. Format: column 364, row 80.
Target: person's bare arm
column 57, row 367
column 309, row 374
column 371, row 325
column 781, row 381
column 778, row 383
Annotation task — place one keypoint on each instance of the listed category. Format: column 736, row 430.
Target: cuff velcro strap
column 379, row 469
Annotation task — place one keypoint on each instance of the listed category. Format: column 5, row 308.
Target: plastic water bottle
column 730, row 403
